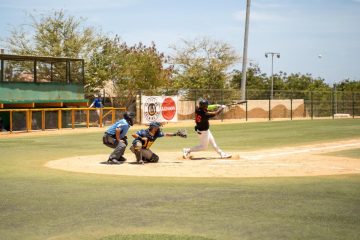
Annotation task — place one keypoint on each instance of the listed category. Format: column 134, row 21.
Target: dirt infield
column 303, row 160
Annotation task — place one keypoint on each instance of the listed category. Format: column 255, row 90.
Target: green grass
column 41, row 203
column 353, row 153
column 153, row 237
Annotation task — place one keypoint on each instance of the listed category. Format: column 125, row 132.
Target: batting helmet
column 128, row 116
column 203, row 103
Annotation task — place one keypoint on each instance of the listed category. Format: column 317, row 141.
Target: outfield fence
column 283, row 104
column 58, row 118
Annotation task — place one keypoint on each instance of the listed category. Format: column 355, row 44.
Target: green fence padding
column 37, row 92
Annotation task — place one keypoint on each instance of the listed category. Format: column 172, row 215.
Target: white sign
column 159, row 109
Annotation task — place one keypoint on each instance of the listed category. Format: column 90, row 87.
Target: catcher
column 202, row 116
column 145, row 138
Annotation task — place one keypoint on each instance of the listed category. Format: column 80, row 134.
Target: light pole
column 272, row 70
column 246, row 38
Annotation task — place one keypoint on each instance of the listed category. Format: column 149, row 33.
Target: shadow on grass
column 154, row 237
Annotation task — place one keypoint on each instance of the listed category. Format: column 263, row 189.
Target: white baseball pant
column 205, row 138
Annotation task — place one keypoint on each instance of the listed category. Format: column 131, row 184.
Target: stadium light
column 272, row 70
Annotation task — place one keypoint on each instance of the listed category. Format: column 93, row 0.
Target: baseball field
column 286, row 180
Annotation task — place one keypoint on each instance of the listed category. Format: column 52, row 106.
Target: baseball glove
column 181, row 133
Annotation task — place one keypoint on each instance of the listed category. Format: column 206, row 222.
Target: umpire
column 115, row 137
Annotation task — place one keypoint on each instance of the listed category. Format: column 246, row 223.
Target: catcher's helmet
column 203, row 103
column 128, row 116
column 154, row 124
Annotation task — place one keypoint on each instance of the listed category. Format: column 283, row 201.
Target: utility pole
column 244, row 65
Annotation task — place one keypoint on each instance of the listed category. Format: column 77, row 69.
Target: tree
column 141, row 68
column 56, row 35
column 349, row 86
column 203, row 64
column 257, row 83
column 101, row 67
column 106, row 59
column 126, row 70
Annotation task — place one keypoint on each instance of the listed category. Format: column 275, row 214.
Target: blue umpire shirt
column 122, row 124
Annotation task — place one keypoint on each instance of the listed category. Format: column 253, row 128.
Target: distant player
column 145, row 138
column 202, row 117
column 115, row 137
column 97, row 103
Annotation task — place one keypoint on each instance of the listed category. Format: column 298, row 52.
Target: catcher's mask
column 203, row 104
column 154, row 125
column 128, row 116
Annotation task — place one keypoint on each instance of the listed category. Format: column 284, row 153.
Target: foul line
column 306, row 150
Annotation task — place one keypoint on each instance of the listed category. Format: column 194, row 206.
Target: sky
column 319, row 37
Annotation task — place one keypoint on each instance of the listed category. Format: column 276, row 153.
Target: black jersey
column 202, row 119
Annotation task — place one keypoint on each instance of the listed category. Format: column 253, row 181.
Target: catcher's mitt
column 181, row 133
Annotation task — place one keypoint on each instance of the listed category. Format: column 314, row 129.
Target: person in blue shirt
column 144, row 139
column 97, row 103
column 115, row 137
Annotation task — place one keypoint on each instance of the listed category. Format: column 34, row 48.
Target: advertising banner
column 159, row 109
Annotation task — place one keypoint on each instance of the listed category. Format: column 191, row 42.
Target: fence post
column 72, row 118
column 59, row 119
column 30, row 120
column 269, row 108
column 43, row 120
column 101, row 118
column 291, row 108
column 140, row 117
column 353, row 105
column 27, row 120
column 195, row 98
column 222, row 102
column 246, row 104
column 332, row 104
column 87, row 118
column 2, row 72
column 11, row 121
column 311, row 105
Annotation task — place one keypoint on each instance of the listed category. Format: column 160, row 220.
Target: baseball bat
column 214, row 107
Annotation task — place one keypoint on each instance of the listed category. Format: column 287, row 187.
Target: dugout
column 39, row 82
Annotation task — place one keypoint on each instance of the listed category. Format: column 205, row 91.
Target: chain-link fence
column 283, row 104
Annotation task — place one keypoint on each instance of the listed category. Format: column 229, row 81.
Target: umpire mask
column 128, row 116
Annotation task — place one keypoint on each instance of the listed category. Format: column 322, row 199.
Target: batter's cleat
column 122, row 159
column 113, row 161
column 186, row 153
column 225, row 155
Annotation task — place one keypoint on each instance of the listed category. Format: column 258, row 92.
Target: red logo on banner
column 168, row 108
